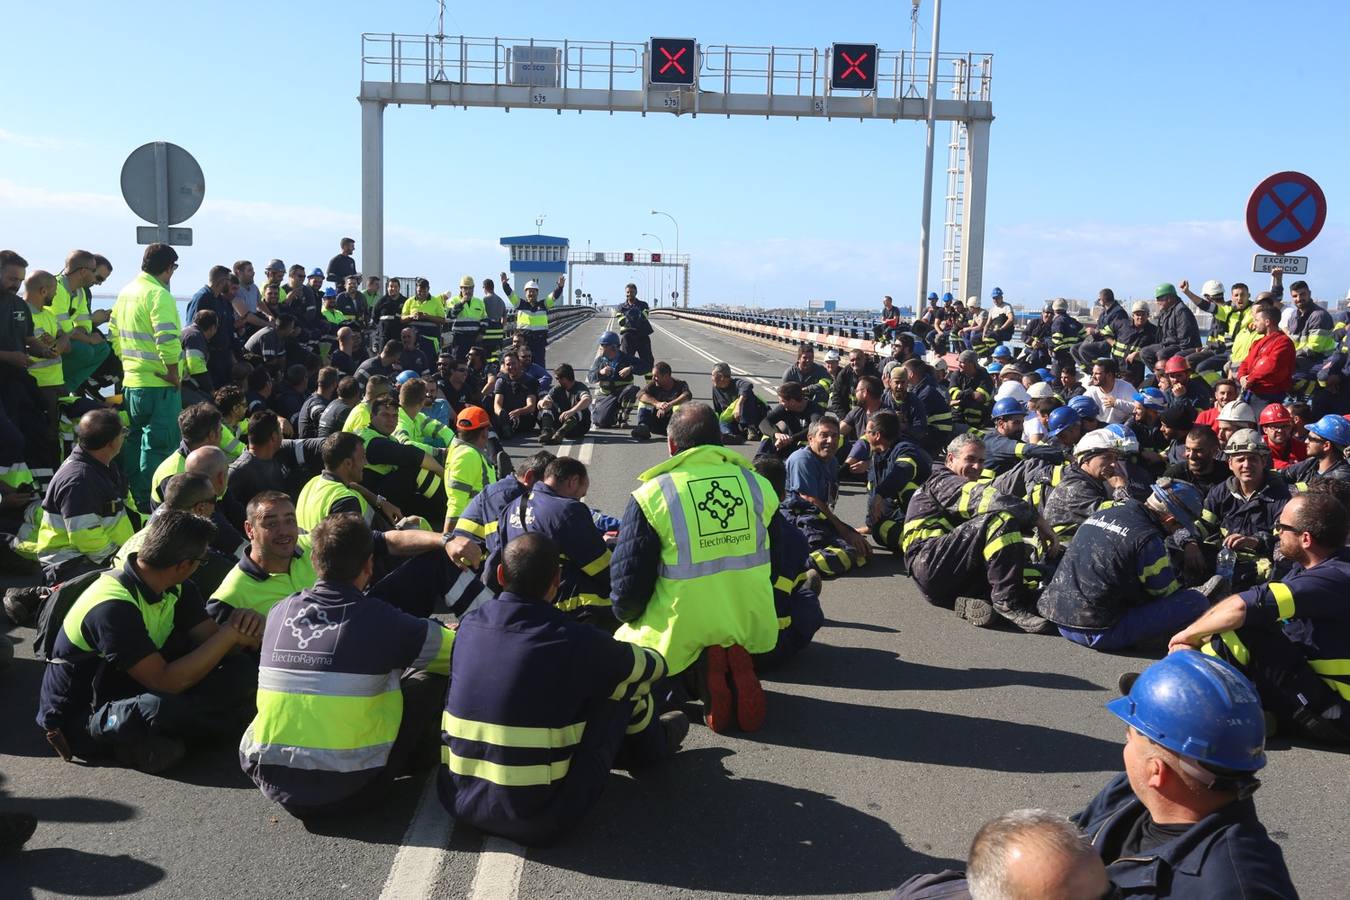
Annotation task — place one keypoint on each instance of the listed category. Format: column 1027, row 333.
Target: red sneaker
column 745, row 685
column 714, row 684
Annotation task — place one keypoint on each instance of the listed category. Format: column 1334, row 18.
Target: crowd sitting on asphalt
column 249, row 525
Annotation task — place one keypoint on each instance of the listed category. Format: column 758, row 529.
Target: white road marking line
column 500, row 865
column 425, row 843
column 708, row 356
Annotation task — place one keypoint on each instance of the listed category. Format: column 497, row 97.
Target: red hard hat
column 1176, row 364
column 1275, row 414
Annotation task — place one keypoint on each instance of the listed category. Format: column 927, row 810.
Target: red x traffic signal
column 853, row 67
column 671, row 61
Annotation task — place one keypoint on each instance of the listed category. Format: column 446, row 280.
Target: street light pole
column 661, row 270
column 684, row 300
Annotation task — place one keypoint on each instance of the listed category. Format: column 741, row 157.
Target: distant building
column 541, row 257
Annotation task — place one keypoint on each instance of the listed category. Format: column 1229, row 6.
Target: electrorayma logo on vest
column 721, row 510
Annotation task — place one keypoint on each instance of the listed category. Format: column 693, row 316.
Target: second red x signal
column 853, row 67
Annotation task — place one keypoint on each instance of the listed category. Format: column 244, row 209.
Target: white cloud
column 35, row 141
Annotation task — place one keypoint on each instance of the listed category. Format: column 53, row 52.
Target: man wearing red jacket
column 1268, row 370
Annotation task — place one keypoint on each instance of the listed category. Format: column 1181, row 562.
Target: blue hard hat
column 1046, row 374
column 316, row 271
column 1009, row 406
column 994, row 368
column 1332, row 428
column 1182, row 499
column 1150, row 398
column 947, row 297
column 1085, row 406
column 1002, row 350
column 405, row 375
column 1199, row 707
column 996, row 292
column 330, row 292
column 932, row 295
column 1063, row 418
column 609, row 339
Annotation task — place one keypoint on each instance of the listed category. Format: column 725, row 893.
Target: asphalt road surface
column 888, row 742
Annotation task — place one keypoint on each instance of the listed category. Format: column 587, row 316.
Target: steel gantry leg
column 976, row 187
column 372, row 188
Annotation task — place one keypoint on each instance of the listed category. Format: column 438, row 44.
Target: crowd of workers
column 249, row 524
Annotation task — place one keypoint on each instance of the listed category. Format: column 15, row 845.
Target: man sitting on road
column 1179, row 821
column 553, row 507
column 897, row 468
column 87, row 512
column 199, row 425
column 612, row 374
column 541, row 706
column 1328, row 439
column 812, row 488
column 1241, row 513
column 376, row 386
column 1094, row 481
column 1003, row 444
column 692, row 569
column 1027, row 853
column 332, row 740
column 279, row 563
column 1115, row 586
column 658, row 400
column 1291, row 637
column 478, row 522
column 515, row 400
column 467, row 468
column 964, row 541
column 140, row 667
column 408, row 475
column 738, row 410
column 565, row 411
column 338, row 489
column 811, row 375
column 785, row 425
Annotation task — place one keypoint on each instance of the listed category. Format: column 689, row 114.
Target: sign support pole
column 161, row 192
column 922, row 290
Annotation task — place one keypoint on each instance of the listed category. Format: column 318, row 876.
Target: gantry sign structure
column 680, row 76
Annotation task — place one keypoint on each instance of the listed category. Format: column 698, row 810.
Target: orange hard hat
column 471, row 418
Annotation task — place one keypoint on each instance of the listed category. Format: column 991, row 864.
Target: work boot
column 714, row 689
column 813, row 582
column 548, row 437
column 733, row 439
column 676, row 726
column 746, row 688
column 23, row 603
column 503, row 464
column 642, row 433
column 151, row 755
column 976, row 611
column 15, row 830
column 14, row 563
column 1025, row 619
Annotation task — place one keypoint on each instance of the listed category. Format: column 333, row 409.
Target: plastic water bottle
column 1227, row 559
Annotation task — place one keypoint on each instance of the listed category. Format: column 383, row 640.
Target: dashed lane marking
column 418, row 862
column 500, row 865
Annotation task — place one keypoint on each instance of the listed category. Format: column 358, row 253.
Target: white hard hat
column 1139, row 306
column 531, row 284
column 1096, row 441
column 1245, row 440
column 1012, row 389
column 1060, row 305
column 832, row 356
column 973, row 300
column 1212, row 288
column 1040, row 390
column 1237, row 411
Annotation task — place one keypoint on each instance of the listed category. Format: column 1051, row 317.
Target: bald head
column 212, row 462
column 1033, row 854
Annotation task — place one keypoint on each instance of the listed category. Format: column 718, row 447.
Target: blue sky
column 1127, row 139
